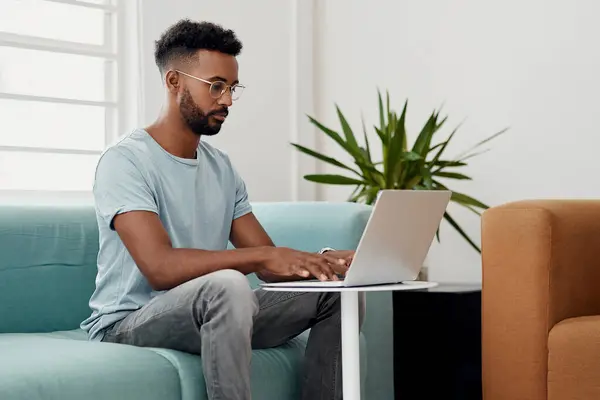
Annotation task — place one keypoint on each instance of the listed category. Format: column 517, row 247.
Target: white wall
column 262, row 123
column 531, row 65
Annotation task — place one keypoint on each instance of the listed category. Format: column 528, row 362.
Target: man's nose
column 226, row 99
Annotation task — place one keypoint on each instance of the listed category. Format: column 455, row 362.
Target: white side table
column 350, row 327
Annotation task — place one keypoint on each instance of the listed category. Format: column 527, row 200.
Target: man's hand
column 286, row 262
column 346, row 255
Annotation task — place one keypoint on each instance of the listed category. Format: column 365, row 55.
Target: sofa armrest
column 540, row 266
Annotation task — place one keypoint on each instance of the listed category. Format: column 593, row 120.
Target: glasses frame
column 230, row 87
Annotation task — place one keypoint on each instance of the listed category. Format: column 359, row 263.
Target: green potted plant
column 402, row 167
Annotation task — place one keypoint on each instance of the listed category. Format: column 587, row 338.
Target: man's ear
column 172, row 81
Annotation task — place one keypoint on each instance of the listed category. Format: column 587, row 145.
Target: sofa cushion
column 34, row 366
column 574, row 359
column 47, row 267
column 276, row 373
column 64, row 365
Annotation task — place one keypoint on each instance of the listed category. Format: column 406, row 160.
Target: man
column 167, row 203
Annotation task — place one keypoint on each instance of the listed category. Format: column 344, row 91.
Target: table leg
column 350, row 345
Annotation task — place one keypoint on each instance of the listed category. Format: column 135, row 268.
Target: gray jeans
column 220, row 317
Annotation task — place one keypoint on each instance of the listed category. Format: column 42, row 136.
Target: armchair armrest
column 541, row 265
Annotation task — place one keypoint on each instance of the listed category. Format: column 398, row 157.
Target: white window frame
column 111, row 50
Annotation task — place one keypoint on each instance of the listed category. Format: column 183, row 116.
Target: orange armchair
column 541, row 300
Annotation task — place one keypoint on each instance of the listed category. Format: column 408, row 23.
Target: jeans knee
column 233, row 285
column 229, row 291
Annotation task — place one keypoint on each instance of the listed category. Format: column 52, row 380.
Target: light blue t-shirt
column 196, row 200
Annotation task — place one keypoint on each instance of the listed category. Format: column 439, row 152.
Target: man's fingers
column 327, row 269
column 322, row 270
column 315, row 270
column 303, row 272
column 338, row 265
column 334, row 260
column 341, row 269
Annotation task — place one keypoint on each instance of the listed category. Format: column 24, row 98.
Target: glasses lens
column 217, row 88
column 236, row 92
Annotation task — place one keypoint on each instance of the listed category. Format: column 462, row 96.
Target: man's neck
column 173, row 136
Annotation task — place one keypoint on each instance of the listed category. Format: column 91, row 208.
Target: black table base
column 437, row 343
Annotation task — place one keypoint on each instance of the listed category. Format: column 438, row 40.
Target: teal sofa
column 47, row 272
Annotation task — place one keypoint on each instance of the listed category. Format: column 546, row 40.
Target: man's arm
column 165, row 267
column 247, row 233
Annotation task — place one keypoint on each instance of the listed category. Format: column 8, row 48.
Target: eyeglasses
column 218, row 88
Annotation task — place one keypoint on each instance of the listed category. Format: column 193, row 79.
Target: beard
column 198, row 121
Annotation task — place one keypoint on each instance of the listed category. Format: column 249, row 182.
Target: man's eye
column 218, row 85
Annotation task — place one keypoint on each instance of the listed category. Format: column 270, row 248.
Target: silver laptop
column 395, row 242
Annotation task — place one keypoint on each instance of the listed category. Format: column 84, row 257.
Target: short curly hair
column 183, row 39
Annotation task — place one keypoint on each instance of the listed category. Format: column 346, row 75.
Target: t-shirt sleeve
column 120, row 187
column 242, row 204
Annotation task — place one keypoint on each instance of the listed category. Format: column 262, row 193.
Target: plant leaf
column 355, row 193
column 381, row 111
column 394, row 158
column 369, row 167
column 408, row 169
column 350, row 139
column 423, row 141
column 381, row 136
column 333, row 179
column 331, row 133
column 440, row 185
column 476, row 145
column 466, row 157
column 371, row 195
column 411, row 184
column 437, row 145
column 324, row 158
column 463, row 198
column 427, row 179
column 444, row 144
column 452, row 175
column 387, row 102
column 391, row 128
column 448, row 163
column 411, row 156
column 445, row 164
column 371, row 174
column 473, row 209
column 455, row 225
column 354, row 152
column 368, row 148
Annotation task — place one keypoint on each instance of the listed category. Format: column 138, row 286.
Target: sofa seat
column 64, row 365
column 573, row 359
column 44, row 367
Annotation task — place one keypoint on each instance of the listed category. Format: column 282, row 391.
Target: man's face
column 204, row 112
